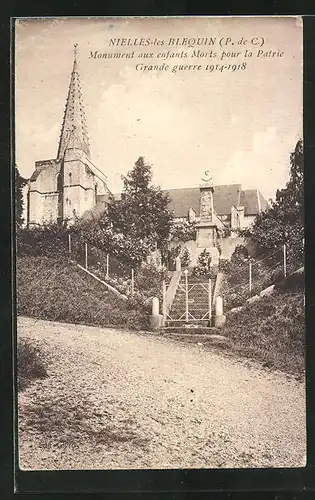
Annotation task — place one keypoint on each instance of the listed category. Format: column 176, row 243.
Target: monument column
column 207, row 228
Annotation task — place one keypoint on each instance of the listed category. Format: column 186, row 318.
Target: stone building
column 219, row 213
column 237, row 208
column 68, row 185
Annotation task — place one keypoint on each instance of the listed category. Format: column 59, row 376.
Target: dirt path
column 123, row 400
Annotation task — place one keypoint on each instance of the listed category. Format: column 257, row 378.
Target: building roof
column 253, row 201
column 224, row 197
column 74, row 129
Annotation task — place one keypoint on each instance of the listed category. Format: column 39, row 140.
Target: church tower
column 68, row 186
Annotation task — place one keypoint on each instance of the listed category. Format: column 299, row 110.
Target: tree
column 19, row 183
column 135, row 225
column 183, row 230
column 142, row 212
column 203, row 264
column 283, row 220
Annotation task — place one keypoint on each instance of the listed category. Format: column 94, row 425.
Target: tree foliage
column 48, row 239
column 142, row 212
column 203, row 264
column 134, row 225
column 183, row 230
column 283, row 220
column 19, row 183
column 183, row 253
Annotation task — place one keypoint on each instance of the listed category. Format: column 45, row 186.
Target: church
column 71, row 185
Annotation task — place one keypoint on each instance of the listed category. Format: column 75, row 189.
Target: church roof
column 74, row 130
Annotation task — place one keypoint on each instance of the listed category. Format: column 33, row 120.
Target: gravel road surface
column 115, row 399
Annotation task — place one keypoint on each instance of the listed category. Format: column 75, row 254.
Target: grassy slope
column 56, row 290
column 271, row 330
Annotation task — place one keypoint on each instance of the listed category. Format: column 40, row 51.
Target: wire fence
column 255, row 275
column 252, row 276
column 104, row 265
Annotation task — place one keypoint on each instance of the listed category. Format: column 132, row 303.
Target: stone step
column 192, row 307
column 191, row 326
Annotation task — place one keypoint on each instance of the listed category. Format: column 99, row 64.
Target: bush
column 30, row 365
column 203, row 264
column 264, row 272
column 149, row 279
column 183, row 253
column 49, row 240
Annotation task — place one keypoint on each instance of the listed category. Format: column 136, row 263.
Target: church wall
column 101, row 187
column 43, row 208
column 47, row 180
column 79, row 186
column 35, row 208
column 74, row 172
column 71, row 205
column 49, row 207
column 43, row 197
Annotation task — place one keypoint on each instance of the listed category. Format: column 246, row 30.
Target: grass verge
column 54, row 289
column 271, row 330
column 30, row 365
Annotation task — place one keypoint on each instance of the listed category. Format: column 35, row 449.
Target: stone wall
column 35, row 208
column 43, row 196
column 229, row 244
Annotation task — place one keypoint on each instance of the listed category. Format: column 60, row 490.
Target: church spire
column 74, row 130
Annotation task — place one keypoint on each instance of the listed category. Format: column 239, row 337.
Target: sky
column 241, row 125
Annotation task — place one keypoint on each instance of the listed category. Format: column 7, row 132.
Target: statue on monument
column 207, row 179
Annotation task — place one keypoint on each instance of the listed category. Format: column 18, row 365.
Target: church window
column 70, row 178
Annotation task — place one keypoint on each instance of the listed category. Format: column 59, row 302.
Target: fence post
column 69, row 245
column 219, row 318
column 210, row 300
column 156, row 318
column 250, row 277
column 107, row 265
column 186, row 295
column 86, row 256
column 178, row 264
column 285, row 260
column 132, row 281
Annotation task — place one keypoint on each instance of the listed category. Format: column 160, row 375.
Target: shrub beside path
column 117, row 399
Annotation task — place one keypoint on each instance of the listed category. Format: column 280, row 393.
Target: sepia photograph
column 159, row 221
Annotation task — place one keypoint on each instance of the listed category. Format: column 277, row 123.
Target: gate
column 192, row 303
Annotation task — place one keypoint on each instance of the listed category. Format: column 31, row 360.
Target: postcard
column 159, row 243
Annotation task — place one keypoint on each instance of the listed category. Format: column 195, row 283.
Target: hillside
column 56, row 290
column 271, row 330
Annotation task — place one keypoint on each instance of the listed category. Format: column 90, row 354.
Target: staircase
column 193, row 312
